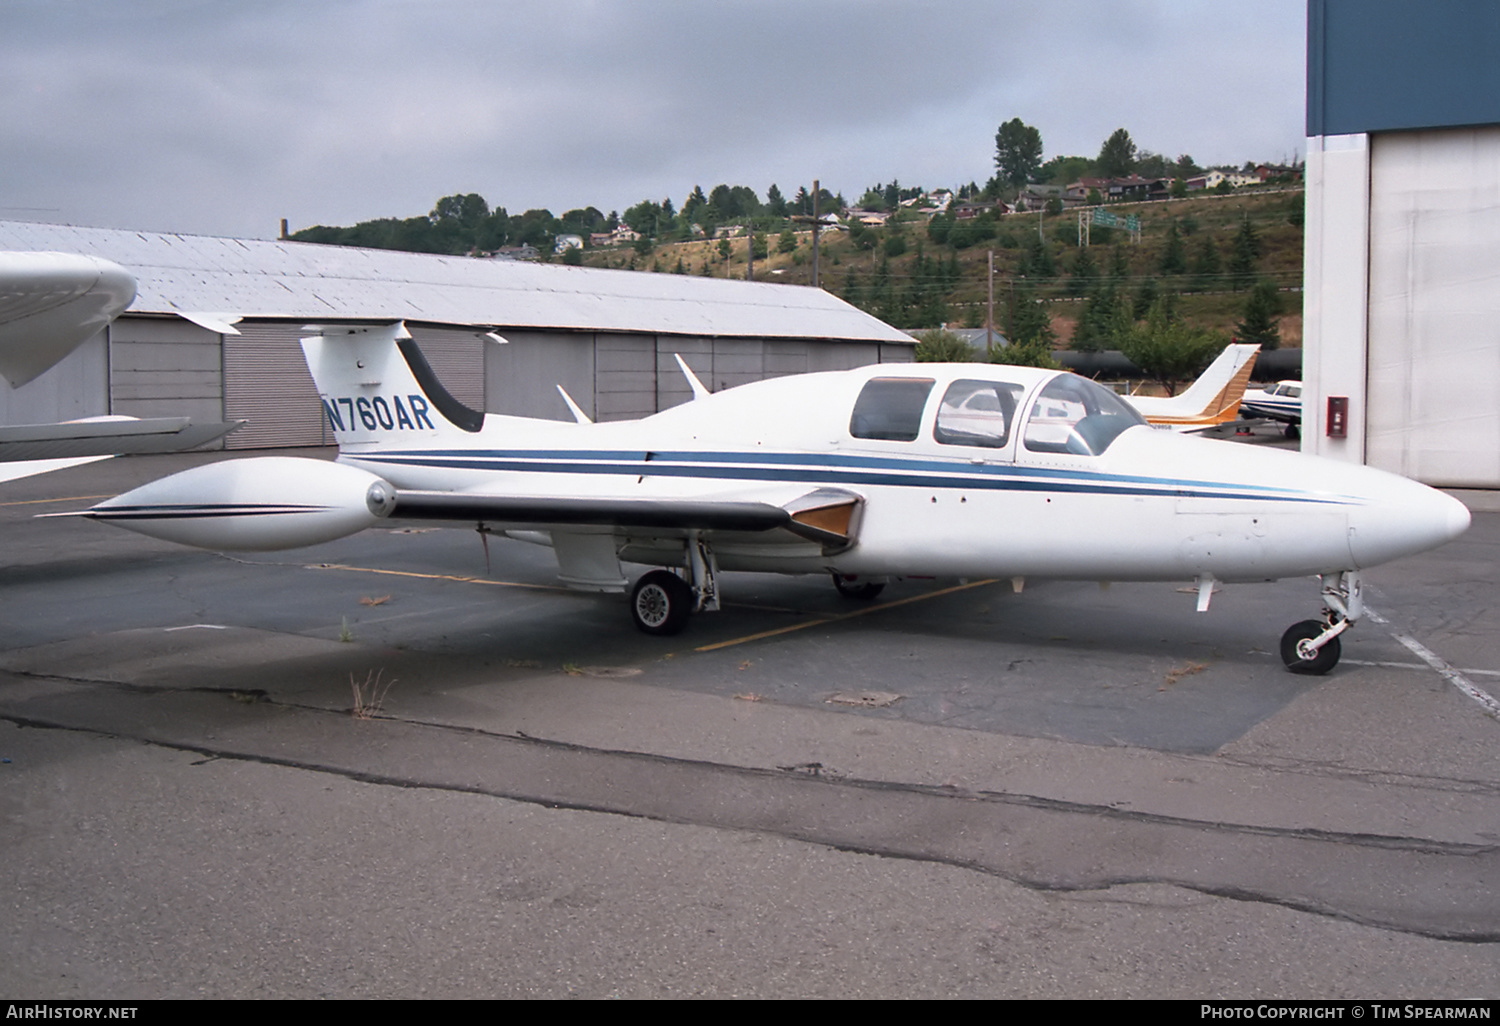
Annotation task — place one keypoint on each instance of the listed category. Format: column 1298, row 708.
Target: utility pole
column 804, row 219
column 816, row 190
column 989, row 321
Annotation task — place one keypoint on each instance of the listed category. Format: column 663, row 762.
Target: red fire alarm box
column 1338, row 416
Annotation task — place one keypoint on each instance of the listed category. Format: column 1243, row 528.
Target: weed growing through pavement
column 369, row 696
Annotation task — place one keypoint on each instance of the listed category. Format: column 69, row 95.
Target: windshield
column 1075, row 415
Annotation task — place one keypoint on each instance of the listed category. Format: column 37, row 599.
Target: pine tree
column 1245, row 254
column 1028, row 321
column 1207, row 267
column 1085, row 271
column 1145, row 296
column 1093, row 332
column 1174, row 257
column 1041, row 262
column 1262, row 308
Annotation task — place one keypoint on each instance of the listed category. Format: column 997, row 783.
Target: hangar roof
column 197, row 274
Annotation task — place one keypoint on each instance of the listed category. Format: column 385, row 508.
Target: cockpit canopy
column 1079, row 416
column 1070, row 414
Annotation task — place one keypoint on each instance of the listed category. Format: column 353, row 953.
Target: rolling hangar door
column 1433, row 410
column 266, row 382
column 164, row 367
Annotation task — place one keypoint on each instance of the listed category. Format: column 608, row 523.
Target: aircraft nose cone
column 1407, row 520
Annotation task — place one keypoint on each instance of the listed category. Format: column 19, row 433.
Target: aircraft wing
column 828, row 516
column 29, row 449
column 50, row 304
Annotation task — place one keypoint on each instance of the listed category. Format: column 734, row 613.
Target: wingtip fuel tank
column 264, row 503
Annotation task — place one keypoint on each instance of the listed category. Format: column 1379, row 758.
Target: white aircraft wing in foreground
column 50, row 304
column 27, row 449
column 1212, row 400
column 867, row 474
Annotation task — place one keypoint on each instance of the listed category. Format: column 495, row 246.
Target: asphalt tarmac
column 374, row 769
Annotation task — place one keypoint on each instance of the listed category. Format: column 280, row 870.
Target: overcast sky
column 222, row 116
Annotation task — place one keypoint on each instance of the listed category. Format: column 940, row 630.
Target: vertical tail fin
column 377, row 388
column 1211, row 400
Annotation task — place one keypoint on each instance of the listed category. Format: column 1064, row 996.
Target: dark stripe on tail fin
column 453, row 411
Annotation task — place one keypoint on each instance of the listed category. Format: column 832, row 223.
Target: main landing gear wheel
column 1298, row 660
column 661, row 602
column 854, row 588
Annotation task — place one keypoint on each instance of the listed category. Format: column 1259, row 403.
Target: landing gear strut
column 662, row 601
column 1313, row 646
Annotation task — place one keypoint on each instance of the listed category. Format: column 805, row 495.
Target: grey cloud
column 221, row 117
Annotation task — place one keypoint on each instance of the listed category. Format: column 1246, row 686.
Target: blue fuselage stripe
column 823, row 468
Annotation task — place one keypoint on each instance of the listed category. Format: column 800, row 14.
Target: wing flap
column 598, row 512
column 827, row 516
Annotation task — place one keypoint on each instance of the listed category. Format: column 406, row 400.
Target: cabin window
column 1075, row 415
column 977, row 413
column 890, row 409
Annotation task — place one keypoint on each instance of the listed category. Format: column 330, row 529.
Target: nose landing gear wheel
column 661, row 602
column 1298, row 660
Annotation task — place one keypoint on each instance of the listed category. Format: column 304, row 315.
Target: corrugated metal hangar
column 608, row 337
column 1403, row 236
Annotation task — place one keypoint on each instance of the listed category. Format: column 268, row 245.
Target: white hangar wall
column 1403, row 302
column 1434, row 317
column 1403, row 207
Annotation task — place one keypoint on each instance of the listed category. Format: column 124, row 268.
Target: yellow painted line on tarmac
column 70, row 498
column 437, row 577
column 866, row 611
column 845, row 616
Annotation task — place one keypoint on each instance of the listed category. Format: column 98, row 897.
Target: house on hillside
column 1035, row 197
column 1134, row 187
column 1076, row 194
column 522, row 252
column 1266, row 172
column 1212, row 180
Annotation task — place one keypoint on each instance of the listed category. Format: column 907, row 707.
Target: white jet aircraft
column 878, row 472
column 50, row 304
